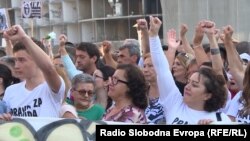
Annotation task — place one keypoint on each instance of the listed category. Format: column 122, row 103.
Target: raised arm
column 143, row 27
column 69, row 66
column 173, row 44
column 185, row 43
column 165, row 79
column 9, row 47
column 214, row 48
column 107, row 55
column 234, row 61
column 199, row 52
column 16, row 33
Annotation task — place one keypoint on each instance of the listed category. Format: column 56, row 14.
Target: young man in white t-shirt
column 41, row 92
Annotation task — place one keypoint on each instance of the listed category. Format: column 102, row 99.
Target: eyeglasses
column 84, row 92
column 97, row 76
column 115, row 81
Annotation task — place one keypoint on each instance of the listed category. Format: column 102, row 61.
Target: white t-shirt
column 236, row 107
column 228, row 102
column 175, row 110
column 39, row 102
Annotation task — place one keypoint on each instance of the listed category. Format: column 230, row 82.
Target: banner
column 31, row 9
column 59, row 129
column 48, row 129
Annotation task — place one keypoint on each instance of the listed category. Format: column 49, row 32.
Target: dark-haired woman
column 127, row 88
column 239, row 109
column 203, row 95
column 6, row 80
column 101, row 76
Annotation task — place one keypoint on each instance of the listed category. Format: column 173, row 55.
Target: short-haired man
column 87, row 56
column 42, row 91
column 129, row 52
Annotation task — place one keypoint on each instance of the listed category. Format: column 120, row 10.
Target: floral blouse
column 129, row 114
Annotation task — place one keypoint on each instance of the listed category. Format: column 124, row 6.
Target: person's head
column 25, row 67
column 233, row 87
column 129, row 52
column 209, row 65
column 245, row 99
column 83, row 90
column 10, row 63
column 128, row 84
column 87, row 55
column 102, row 75
column 243, row 47
column 61, row 71
column 205, row 91
column 180, row 66
column 57, row 61
column 6, row 78
column 148, row 69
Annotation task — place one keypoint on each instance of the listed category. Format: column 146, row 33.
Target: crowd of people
column 144, row 82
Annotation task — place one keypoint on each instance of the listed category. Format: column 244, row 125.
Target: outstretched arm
column 184, row 39
column 165, row 79
column 199, row 52
column 9, row 47
column 214, row 48
column 69, row 66
column 143, row 27
column 106, row 46
column 234, row 61
column 173, row 44
column 16, row 33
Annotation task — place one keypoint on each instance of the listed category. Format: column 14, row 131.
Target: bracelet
column 215, row 51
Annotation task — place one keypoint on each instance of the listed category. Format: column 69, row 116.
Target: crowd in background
column 145, row 81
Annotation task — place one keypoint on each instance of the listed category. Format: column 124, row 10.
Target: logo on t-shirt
column 27, row 110
column 179, row 121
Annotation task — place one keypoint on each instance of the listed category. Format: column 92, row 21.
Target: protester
column 82, row 97
column 128, row 89
column 203, row 94
column 41, row 92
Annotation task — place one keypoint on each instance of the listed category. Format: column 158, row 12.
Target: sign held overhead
column 31, row 9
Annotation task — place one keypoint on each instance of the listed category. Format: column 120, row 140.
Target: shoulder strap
column 218, row 116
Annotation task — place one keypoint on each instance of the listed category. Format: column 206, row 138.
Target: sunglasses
column 84, row 92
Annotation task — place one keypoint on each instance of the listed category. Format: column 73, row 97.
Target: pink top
column 129, row 114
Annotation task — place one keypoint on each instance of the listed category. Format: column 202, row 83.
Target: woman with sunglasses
column 127, row 88
column 82, row 97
